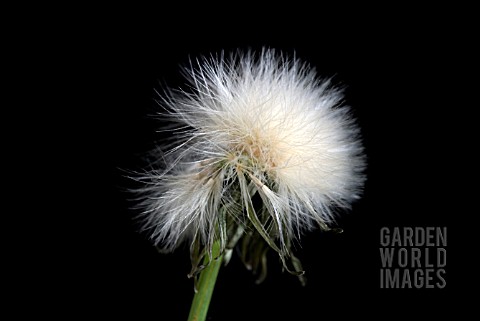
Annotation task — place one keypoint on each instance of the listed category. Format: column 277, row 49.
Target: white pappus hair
column 253, row 128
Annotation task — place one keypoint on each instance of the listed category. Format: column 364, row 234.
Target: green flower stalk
column 263, row 150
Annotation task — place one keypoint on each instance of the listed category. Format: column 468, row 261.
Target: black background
column 400, row 76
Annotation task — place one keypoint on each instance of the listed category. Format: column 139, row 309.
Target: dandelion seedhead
column 263, row 150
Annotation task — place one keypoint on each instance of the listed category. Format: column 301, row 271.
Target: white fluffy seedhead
column 263, row 148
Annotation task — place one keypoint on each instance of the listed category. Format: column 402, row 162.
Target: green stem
column 206, row 284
